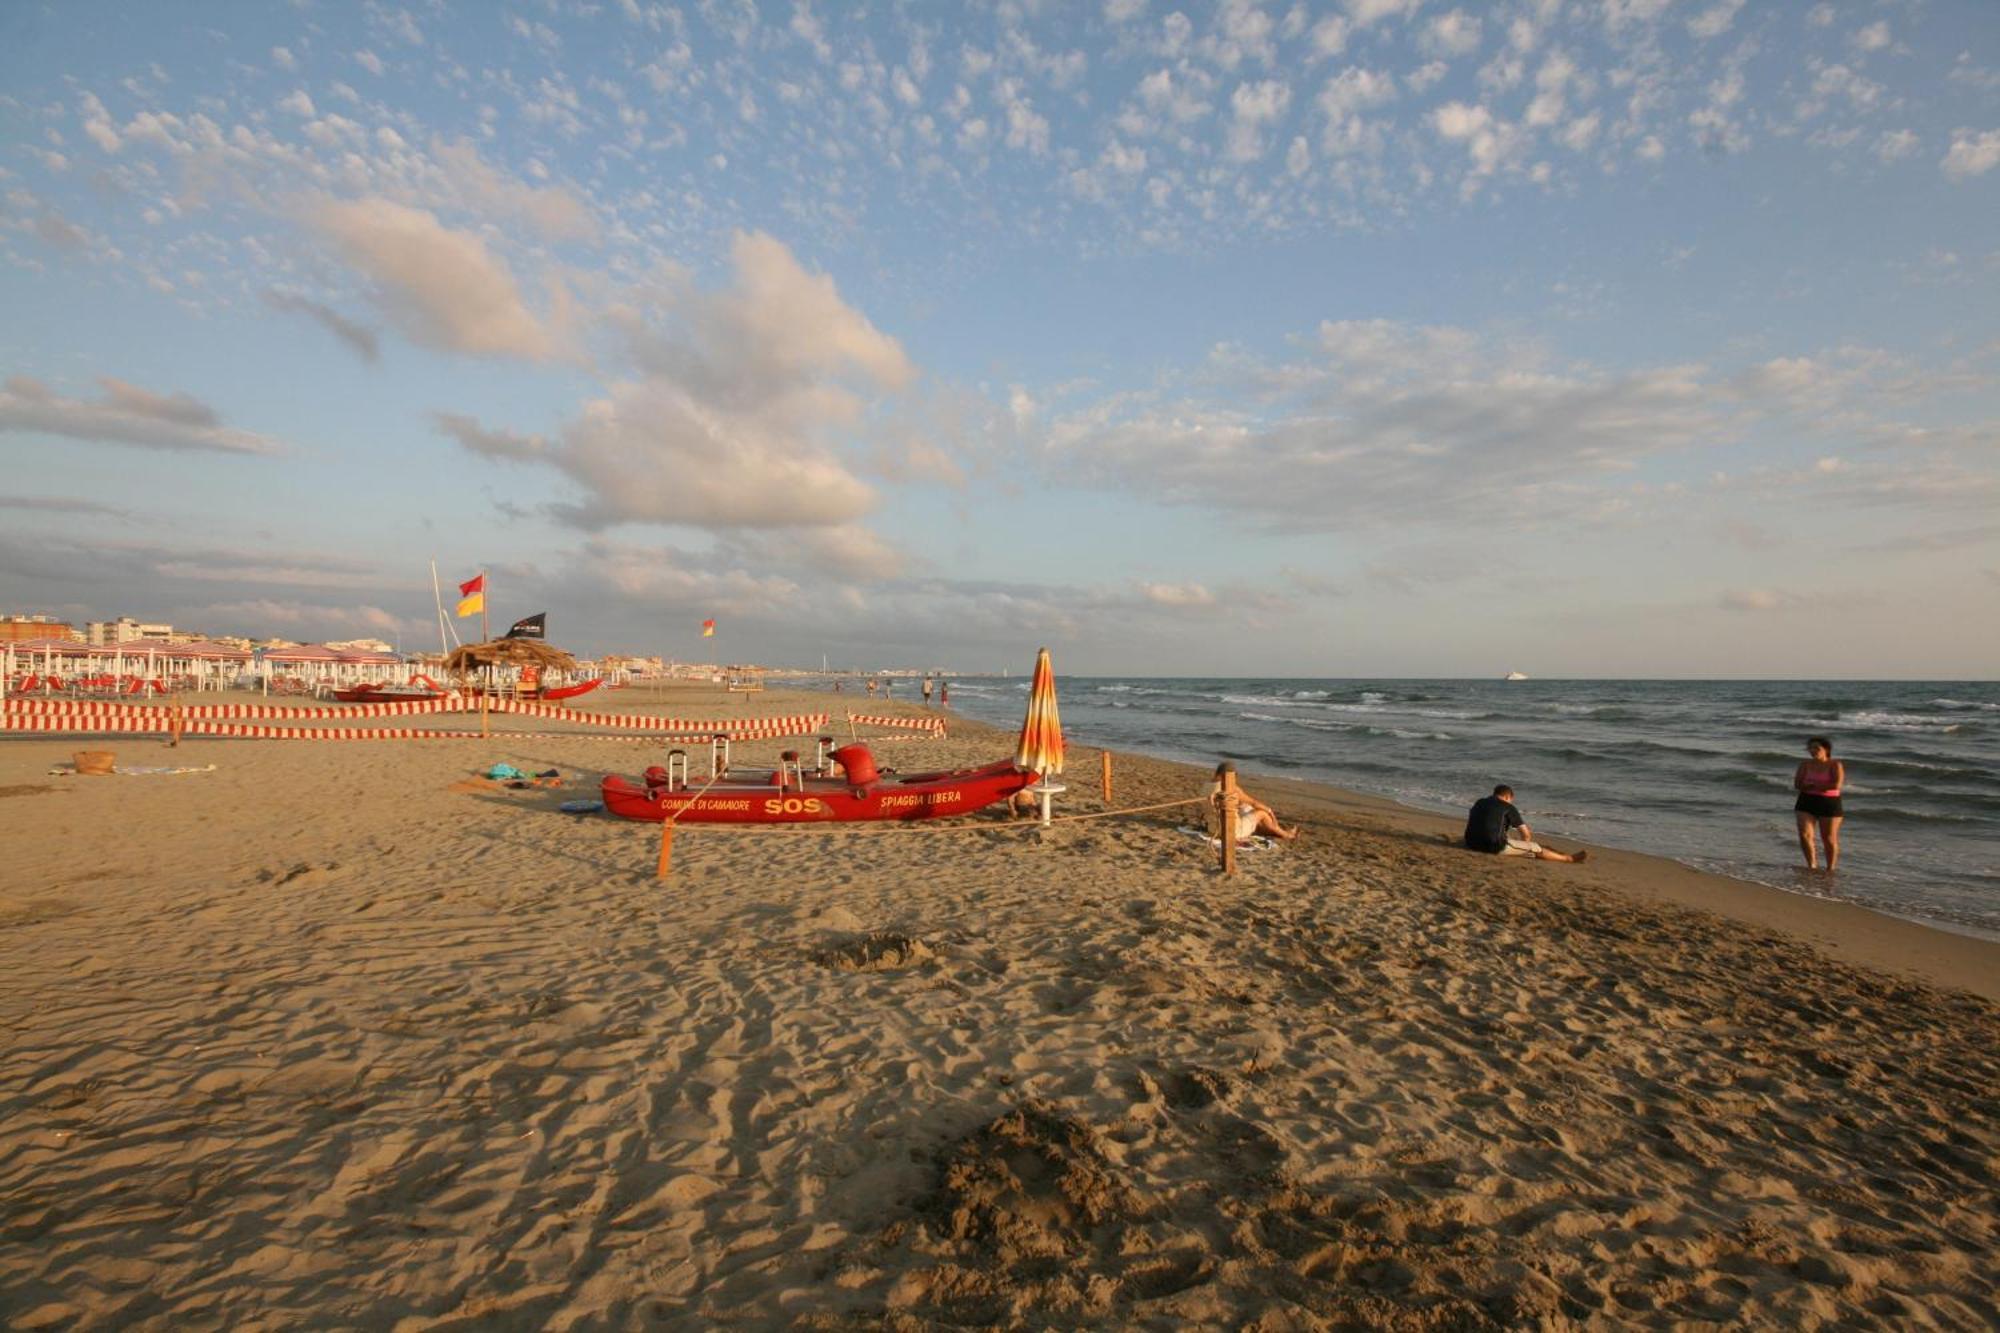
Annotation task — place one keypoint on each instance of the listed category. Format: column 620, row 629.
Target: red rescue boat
column 859, row 792
column 385, row 694
column 570, row 691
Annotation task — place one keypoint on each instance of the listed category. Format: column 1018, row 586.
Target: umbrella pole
column 1104, row 773
column 484, row 690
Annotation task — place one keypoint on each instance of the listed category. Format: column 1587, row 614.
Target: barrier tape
column 92, row 715
column 131, row 726
column 113, row 708
column 797, row 724
column 933, row 725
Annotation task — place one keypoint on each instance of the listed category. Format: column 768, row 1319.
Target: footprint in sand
column 303, row 873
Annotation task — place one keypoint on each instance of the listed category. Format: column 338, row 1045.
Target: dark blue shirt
column 1486, row 827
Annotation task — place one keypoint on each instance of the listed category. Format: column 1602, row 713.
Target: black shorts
column 1819, row 807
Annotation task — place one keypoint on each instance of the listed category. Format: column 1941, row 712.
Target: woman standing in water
column 1818, row 781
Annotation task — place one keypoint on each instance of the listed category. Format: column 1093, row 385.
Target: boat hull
column 817, row 800
column 376, row 694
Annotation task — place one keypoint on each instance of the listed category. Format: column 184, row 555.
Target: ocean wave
column 1330, row 724
column 1897, row 721
column 1857, row 721
column 1311, row 723
column 1972, row 704
column 1890, row 814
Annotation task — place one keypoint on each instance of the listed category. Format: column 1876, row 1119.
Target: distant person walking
column 1818, row 781
column 927, row 691
column 944, row 694
column 871, row 687
column 1495, row 827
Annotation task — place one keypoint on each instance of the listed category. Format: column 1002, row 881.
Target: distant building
column 363, row 646
column 15, row 629
column 112, row 633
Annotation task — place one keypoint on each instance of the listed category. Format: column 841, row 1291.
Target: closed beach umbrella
column 1041, row 748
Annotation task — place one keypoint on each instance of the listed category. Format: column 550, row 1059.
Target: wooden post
column 1225, row 809
column 666, row 847
column 1104, row 758
column 484, row 690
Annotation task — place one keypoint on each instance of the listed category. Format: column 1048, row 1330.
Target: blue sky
column 1380, row 337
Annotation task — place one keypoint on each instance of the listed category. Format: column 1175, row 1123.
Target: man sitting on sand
column 1496, row 827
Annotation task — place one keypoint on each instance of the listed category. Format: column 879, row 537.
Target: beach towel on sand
column 1256, row 844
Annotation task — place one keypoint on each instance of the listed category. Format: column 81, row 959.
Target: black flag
column 533, row 627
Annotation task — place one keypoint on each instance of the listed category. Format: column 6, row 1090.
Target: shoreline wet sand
column 313, row 1038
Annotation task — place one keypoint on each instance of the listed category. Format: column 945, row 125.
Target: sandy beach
column 316, row 1039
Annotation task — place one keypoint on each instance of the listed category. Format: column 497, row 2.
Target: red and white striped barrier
column 740, row 728
column 931, row 726
column 154, row 721
column 241, row 712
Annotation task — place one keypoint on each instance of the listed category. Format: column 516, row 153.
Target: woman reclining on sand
column 1252, row 815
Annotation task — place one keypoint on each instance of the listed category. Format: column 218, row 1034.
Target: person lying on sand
column 1252, row 815
column 1496, row 827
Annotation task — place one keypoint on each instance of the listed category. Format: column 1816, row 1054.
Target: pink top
column 1819, row 777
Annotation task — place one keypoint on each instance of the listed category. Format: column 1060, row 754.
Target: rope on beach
column 907, row 827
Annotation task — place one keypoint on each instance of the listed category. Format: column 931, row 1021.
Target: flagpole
column 437, row 599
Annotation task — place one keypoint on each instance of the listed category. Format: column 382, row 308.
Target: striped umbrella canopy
column 304, row 652
column 1041, row 747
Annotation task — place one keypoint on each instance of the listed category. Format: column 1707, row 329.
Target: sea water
column 1700, row 771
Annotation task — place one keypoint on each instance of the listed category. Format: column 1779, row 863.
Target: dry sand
column 313, row 1040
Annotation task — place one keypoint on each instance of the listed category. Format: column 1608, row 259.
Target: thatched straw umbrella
column 462, row 662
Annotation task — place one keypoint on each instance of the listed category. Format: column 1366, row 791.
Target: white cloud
column 1874, row 37
column 1366, row 13
column 126, row 414
column 1329, row 36
column 466, row 180
column 733, row 422
column 1896, row 145
column 441, row 288
column 1458, row 121
column 1972, row 153
column 1180, row 595
column 1390, row 424
column 1345, row 96
column 1715, row 20
column 1751, row 599
column 1123, row 11
column 1452, row 34
column 1253, row 106
column 283, row 58
column 359, row 338
column 298, row 104
column 1552, row 82
column 98, row 126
